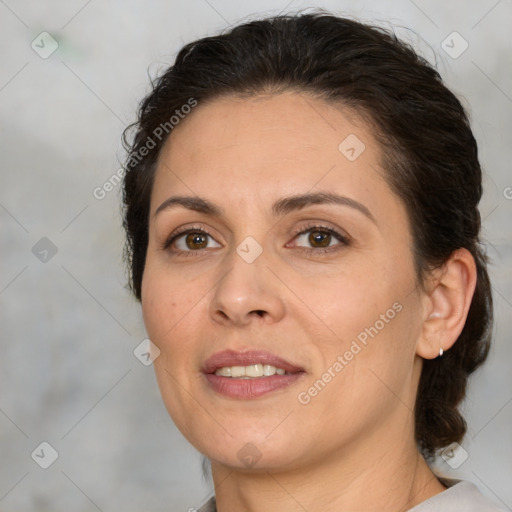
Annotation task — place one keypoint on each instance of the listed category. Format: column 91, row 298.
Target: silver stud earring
column 441, row 351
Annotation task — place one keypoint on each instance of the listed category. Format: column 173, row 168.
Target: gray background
column 68, row 327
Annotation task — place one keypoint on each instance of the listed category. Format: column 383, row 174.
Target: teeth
column 269, row 370
column 249, row 372
column 238, row 371
column 224, row 372
column 254, row 370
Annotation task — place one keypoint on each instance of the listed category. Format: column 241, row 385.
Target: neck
column 380, row 476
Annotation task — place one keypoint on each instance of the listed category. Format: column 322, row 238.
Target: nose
column 247, row 292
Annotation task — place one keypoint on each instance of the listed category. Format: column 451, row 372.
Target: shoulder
column 461, row 496
column 209, row 506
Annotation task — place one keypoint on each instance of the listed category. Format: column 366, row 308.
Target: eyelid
column 182, row 231
column 342, row 237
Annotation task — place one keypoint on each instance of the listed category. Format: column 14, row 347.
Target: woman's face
column 275, row 244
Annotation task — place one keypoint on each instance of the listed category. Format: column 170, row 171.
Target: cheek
column 170, row 312
column 369, row 317
column 367, row 367
column 348, row 301
column 164, row 304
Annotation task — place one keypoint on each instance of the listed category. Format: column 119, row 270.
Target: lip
column 233, row 358
column 249, row 388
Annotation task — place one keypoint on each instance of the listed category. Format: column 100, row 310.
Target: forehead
column 245, row 155
column 278, row 123
column 277, row 137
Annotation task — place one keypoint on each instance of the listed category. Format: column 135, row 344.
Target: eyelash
column 343, row 239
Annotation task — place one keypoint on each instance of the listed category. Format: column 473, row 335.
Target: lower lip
column 251, row 388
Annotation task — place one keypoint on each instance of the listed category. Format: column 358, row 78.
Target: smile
column 252, row 371
column 249, row 374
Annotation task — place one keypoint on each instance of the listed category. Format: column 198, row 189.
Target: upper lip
column 246, row 358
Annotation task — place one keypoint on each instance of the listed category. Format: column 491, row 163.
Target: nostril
column 259, row 312
column 222, row 314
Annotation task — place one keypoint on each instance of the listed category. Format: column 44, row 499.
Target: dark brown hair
column 429, row 155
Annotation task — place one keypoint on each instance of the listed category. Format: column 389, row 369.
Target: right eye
column 191, row 240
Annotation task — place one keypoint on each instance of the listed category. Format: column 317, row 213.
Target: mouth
column 249, row 374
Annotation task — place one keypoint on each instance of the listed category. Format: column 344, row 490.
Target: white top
column 461, row 496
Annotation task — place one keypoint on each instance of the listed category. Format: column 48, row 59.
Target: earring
column 441, row 351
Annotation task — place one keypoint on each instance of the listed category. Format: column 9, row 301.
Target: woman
column 302, row 232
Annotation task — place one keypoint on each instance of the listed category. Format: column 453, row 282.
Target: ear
column 447, row 297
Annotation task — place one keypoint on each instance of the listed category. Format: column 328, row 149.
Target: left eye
column 319, row 238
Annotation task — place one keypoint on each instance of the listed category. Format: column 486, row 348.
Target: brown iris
column 196, row 240
column 319, row 238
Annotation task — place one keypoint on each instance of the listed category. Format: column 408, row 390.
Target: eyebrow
column 279, row 208
column 196, row 204
column 297, row 202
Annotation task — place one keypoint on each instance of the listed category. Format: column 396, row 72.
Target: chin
column 252, row 450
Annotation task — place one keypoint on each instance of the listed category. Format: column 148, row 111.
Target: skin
column 298, row 301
